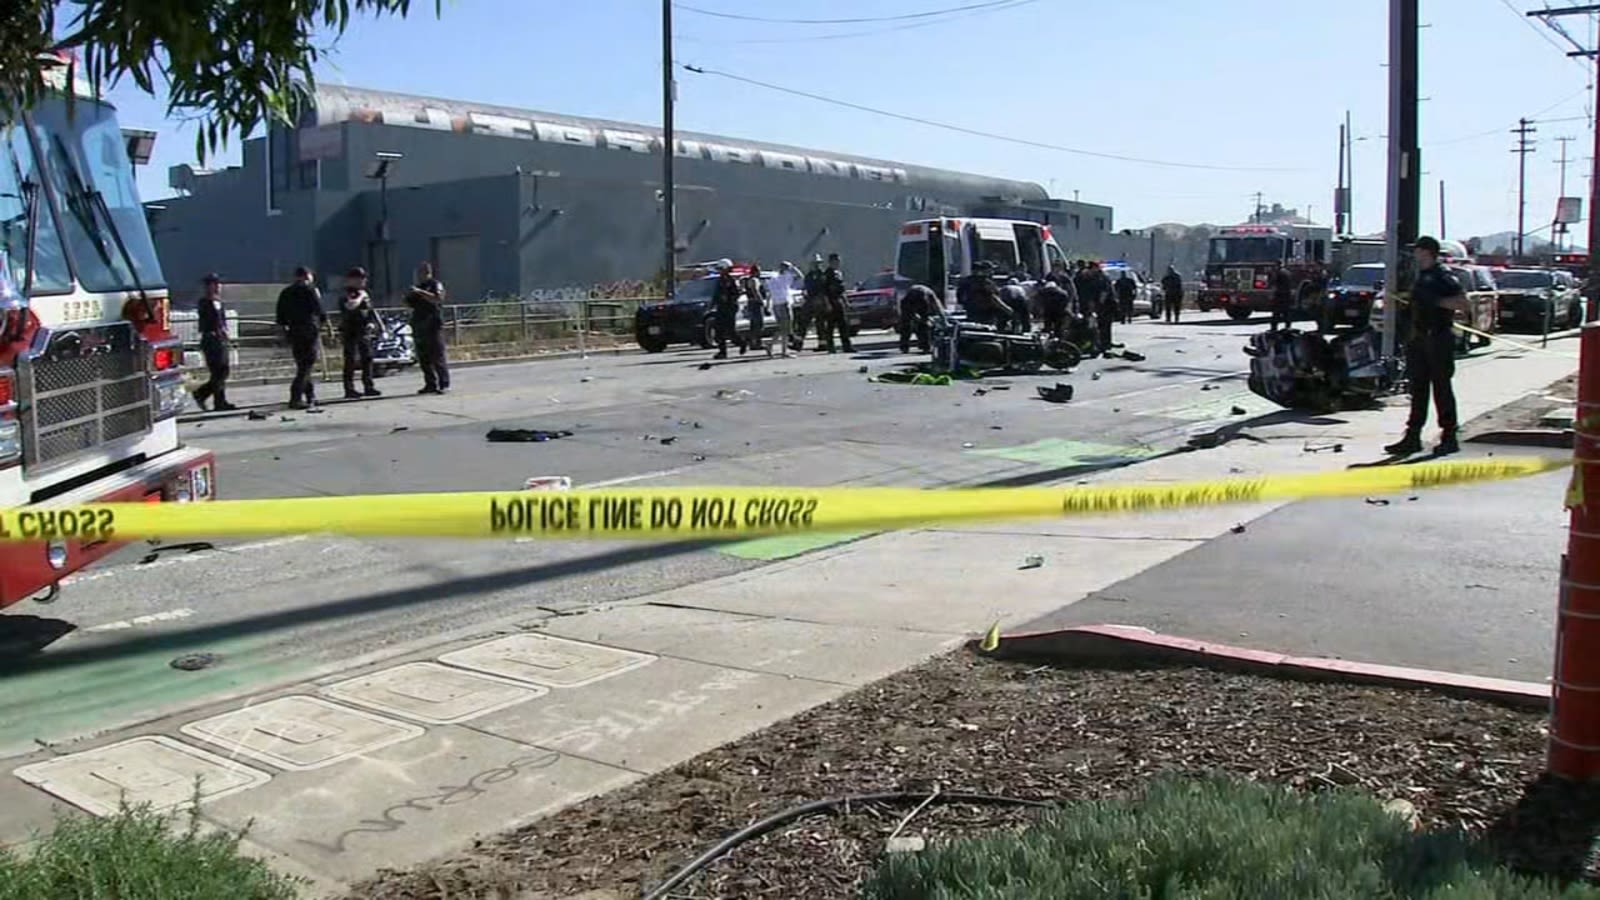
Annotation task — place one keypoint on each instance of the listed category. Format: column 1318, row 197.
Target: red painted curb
column 1133, row 645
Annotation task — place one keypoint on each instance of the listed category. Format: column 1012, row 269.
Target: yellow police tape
column 1502, row 339
column 708, row 512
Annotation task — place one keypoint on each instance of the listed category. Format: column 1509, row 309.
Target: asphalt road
column 272, row 611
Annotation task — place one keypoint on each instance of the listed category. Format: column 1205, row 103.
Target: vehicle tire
column 652, row 344
column 1063, row 356
column 1239, row 313
column 986, row 353
column 708, row 334
column 1574, row 316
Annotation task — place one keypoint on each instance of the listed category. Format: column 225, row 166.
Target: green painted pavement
column 61, row 704
column 769, row 549
column 1062, row 454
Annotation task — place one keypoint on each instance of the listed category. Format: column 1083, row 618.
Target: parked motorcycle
column 1309, row 371
column 393, row 348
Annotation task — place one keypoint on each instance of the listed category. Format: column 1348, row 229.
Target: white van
column 940, row 252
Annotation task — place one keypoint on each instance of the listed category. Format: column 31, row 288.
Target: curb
column 1560, row 440
column 249, row 380
column 1130, row 645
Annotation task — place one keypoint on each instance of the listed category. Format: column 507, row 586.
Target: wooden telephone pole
column 1523, row 148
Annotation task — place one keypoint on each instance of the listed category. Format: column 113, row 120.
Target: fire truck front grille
column 87, row 388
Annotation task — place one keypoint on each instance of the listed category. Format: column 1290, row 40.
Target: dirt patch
column 961, row 723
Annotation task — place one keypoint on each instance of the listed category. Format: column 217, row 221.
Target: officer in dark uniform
column 214, row 345
column 1431, row 351
column 1015, row 296
column 1172, row 295
column 426, row 299
column 1126, row 289
column 1055, row 304
column 813, row 304
column 301, row 318
column 979, row 296
column 1282, row 298
column 918, row 308
column 725, row 309
column 357, row 322
column 833, row 291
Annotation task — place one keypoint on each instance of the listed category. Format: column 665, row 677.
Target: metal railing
column 493, row 328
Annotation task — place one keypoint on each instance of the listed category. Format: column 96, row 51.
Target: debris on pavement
column 1058, row 393
column 669, row 440
column 862, row 370
column 968, row 445
column 1131, row 356
column 1377, row 501
column 732, row 395
column 1033, row 561
column 587, row 378
column 1095, row 377
column 1239, row 411
column 256, row 415
column 548, row 483
column 524, row 435
column 399, row 428
column 705, row 367
column 1208, row 386
column 1322, row 448
column 285, row 419
column 918, row 378
column 980, row 392
column 1237, row 529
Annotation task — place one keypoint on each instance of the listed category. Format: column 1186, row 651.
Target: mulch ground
column 960, row 723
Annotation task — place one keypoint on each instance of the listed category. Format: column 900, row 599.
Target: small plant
column 139, row 854
column 1210, row 840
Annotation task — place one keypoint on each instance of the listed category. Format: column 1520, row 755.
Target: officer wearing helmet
column 725, row 308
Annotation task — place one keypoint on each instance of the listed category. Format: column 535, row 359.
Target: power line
column 1544, row 35
column 1534, row 118
column 698, row 70
column 927, row 14
column 845, row 35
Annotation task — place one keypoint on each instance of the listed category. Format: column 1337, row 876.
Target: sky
column 1247, row 94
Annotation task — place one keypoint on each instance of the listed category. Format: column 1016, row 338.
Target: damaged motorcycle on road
column 1319, row 373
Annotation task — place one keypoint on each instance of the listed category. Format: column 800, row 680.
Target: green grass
column 138, row 855
column 1212, row 840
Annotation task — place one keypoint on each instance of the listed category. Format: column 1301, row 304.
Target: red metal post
column 1575, row 707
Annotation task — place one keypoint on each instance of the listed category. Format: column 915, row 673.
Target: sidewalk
column 401, row 762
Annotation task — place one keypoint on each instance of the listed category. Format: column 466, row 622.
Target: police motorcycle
column 392, row 345
column 961, row 342
column 1339, row 367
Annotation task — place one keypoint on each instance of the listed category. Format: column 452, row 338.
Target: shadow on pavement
column 383, row 601
column 1552, row 829
column 24, row 635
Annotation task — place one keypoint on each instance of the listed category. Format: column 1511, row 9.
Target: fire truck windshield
column 102, row 219
column 22, row 207
column 1246, row 249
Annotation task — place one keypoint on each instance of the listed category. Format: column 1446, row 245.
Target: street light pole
column 1405, row 162
column 669, row 148
column 383, row 233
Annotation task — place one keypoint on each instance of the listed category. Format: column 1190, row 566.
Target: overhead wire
column 1493, row 132
column 1543, row 34
column 864, row 20
column 869, row 32
column 974, row 132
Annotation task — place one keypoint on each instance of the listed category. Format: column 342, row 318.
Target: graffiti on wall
column 621, row 289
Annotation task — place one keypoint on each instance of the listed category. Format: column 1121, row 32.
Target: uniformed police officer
column 1431, row 351
column 357, row 322
column 813, row 304
column 1055, row 304
column 833, row 291
column 1015, row 297
column 1282, row 298
column 300, row 318
column 918, row 308
column 979, row 296
column 725, row 309
column 214, row 346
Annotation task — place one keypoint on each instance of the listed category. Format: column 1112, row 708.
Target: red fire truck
column 90, row 374
column 1240, row 264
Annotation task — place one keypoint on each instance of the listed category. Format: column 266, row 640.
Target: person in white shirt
column 782, row 289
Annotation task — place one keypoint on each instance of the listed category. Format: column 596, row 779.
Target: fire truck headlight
column 201, row 479
column 10, row 441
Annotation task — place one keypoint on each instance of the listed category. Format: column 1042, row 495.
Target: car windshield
column 1362, row 276
column 1525, row 280
column 1246, row 249
column 89, row 169
column 879, row 282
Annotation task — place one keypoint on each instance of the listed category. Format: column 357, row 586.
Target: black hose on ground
column 777, row 820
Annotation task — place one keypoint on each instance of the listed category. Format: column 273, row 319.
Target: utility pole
column 1560, row 229
column 669, row 150
column 1349, row 174
column 1405, row 163
column 1523, row 148
column 1340, row 226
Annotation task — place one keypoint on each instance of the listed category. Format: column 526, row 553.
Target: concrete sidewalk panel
column 547, row 661
column 410, row 802
column 154, row 770
column 836, row 653
column 937, row 582
column 300, row 732
column 652, row 718
column 432, row 693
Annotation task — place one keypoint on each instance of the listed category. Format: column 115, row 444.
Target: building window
column 1099, row 223
column 1076, row 222
column 309, row 177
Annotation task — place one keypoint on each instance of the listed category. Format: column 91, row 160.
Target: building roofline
column 335, row 104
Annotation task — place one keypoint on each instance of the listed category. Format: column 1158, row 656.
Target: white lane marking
column 170, row 615
column 628, row 479
column 163, row 561
column 319, row 450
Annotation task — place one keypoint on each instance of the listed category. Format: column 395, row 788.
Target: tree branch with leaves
column 234, row 64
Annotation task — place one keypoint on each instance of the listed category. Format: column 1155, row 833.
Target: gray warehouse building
column 508, row 201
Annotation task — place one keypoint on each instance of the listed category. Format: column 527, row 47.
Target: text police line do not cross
column 557, row 513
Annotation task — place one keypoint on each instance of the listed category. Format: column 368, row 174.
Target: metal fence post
column 1575, row 690
column 583, row 311
column 522, row 313
column 455, row 325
